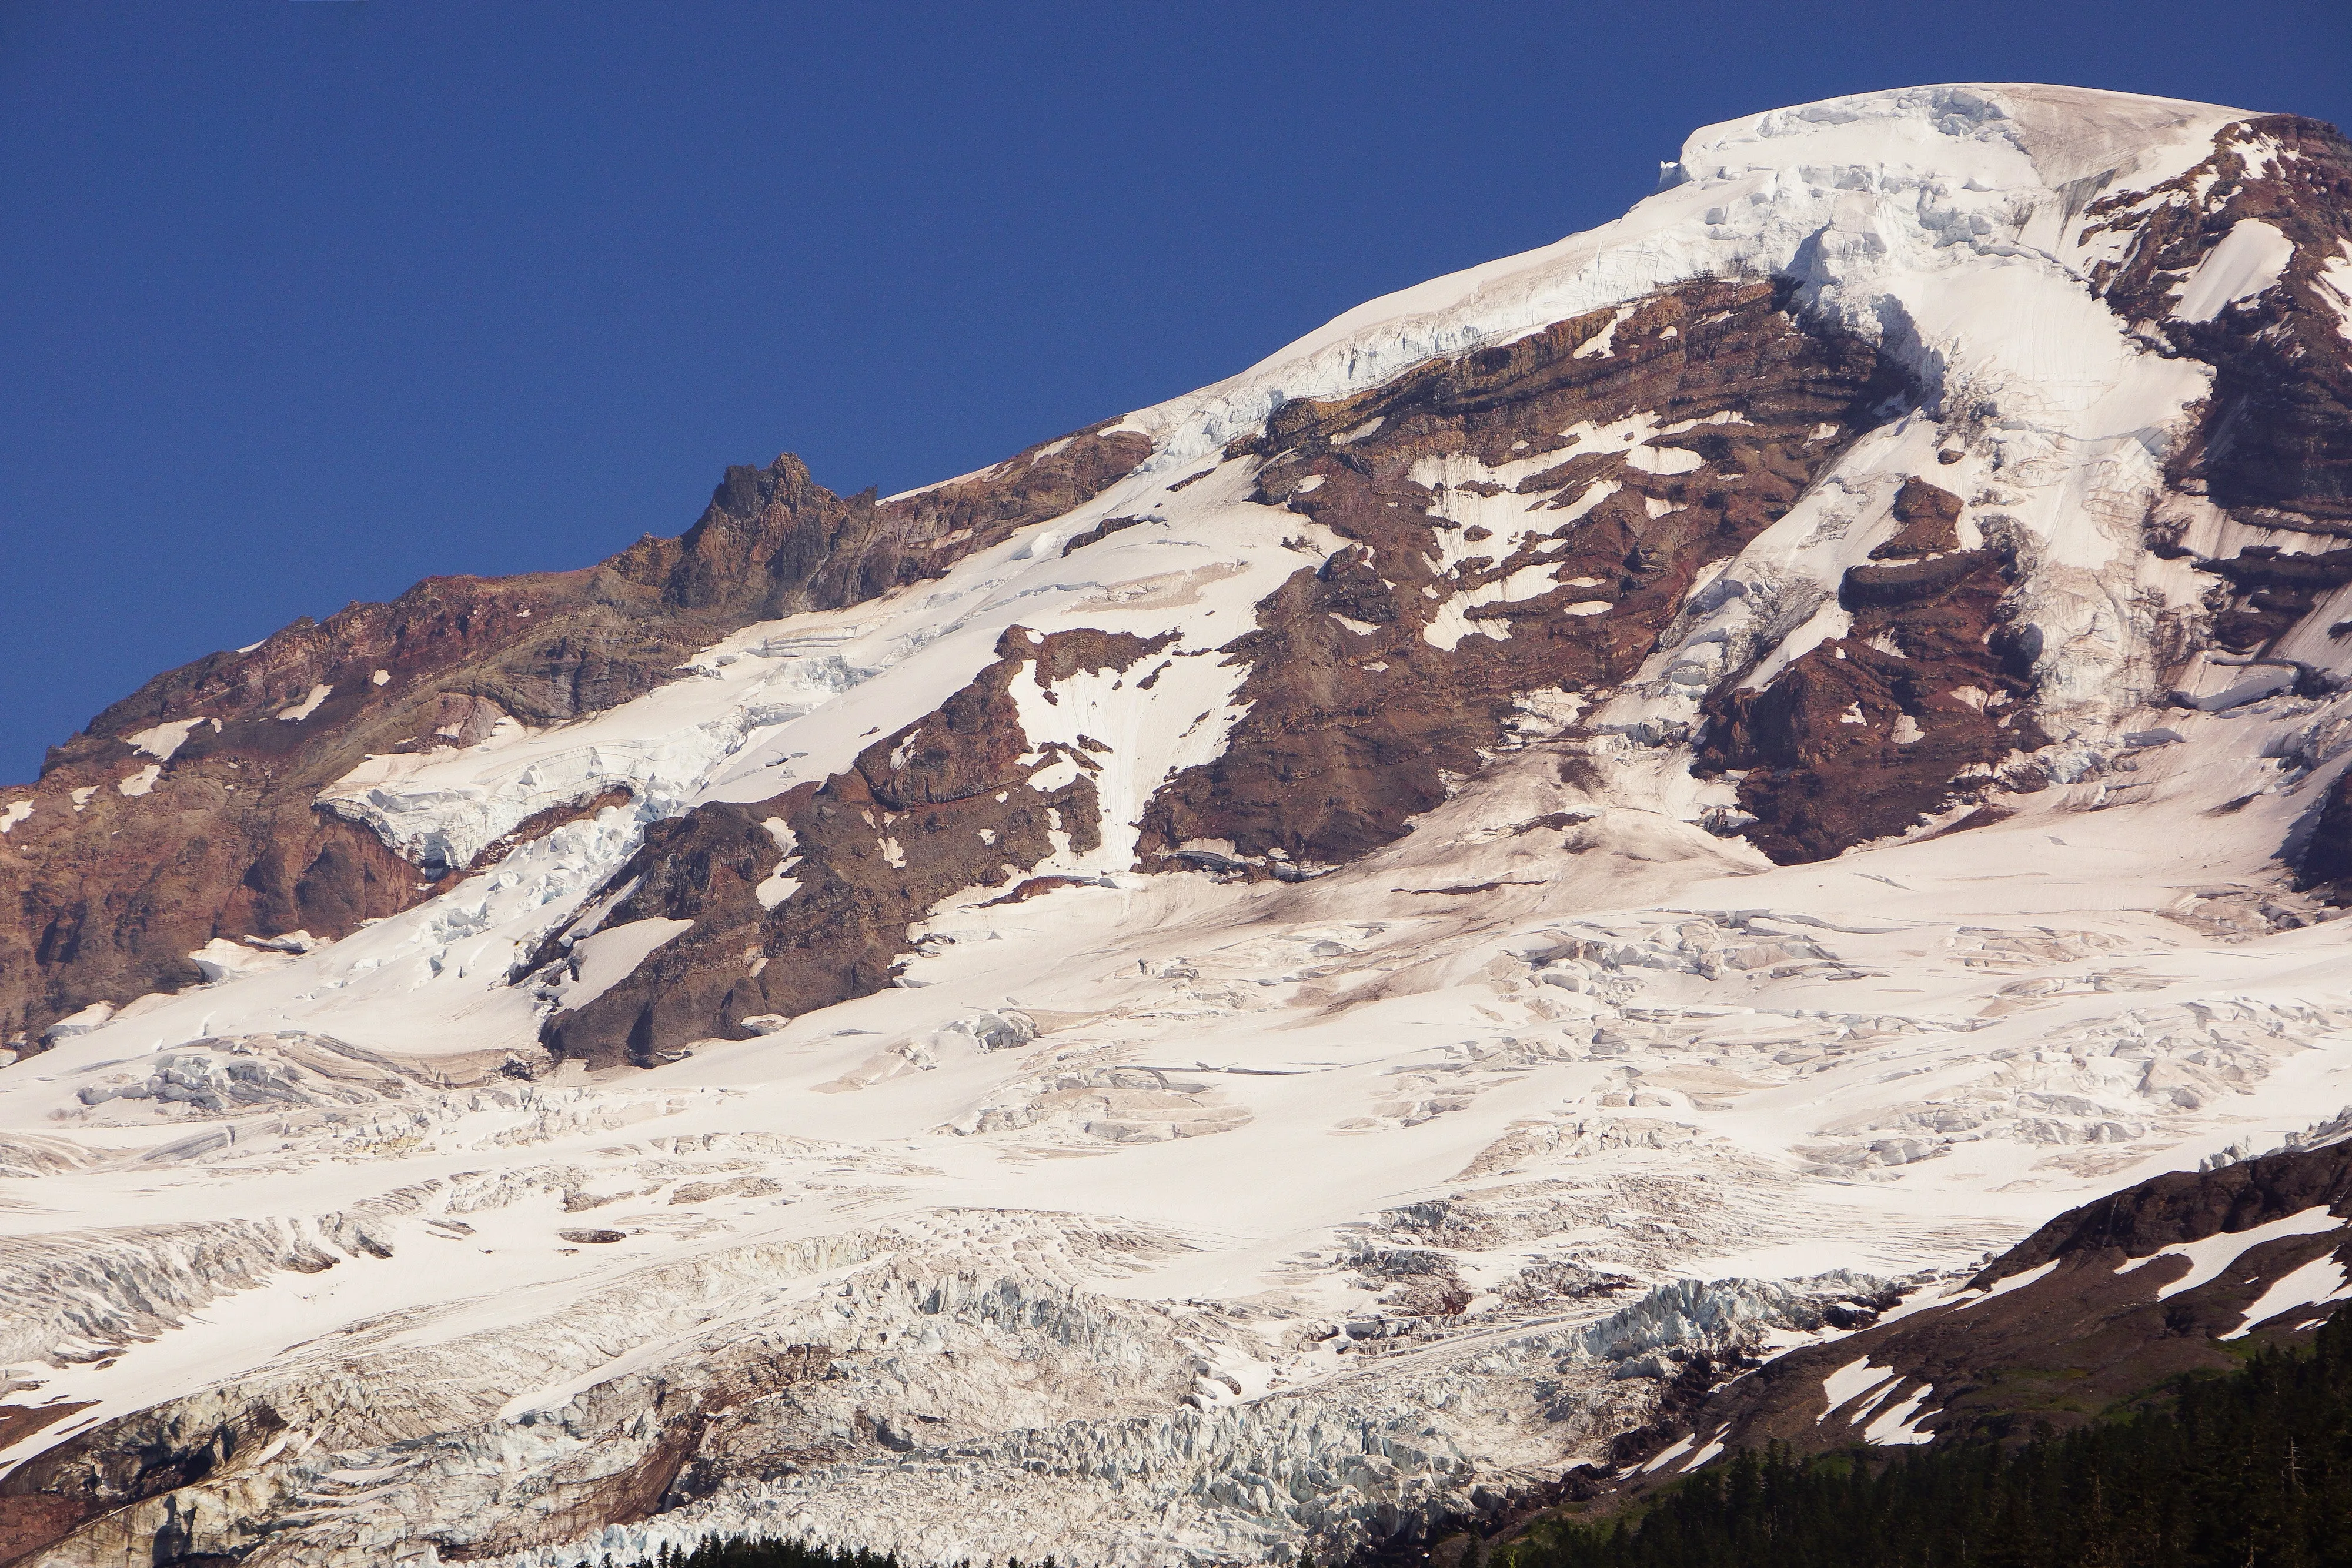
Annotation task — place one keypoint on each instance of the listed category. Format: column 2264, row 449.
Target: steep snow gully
column 1633, row 803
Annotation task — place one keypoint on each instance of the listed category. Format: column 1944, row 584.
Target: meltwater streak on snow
column 1175, row 1240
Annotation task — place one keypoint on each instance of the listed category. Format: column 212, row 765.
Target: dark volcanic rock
column 1397, row 661
column 2327, row 862
column 2278, row 433
column 2065, row 1325
column 2273, row 448
column 1929, row 515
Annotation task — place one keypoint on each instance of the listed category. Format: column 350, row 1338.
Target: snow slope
column 1167, row 1218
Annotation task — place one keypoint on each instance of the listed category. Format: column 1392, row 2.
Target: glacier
column 1165, row 1219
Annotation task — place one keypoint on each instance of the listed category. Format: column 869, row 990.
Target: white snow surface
column 2321, row 1280
column 2247, row 261
column 1846, row 1384
column 2207, row 1257
column 2336, row 278
column 1898, row 1424
column 161, row 741
column 1111, row 1216
column 308, row 705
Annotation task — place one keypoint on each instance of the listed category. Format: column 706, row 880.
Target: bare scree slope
column 1262, row 974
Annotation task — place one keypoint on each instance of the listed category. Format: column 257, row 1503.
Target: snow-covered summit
column 1855, row 195
column 1255, row 975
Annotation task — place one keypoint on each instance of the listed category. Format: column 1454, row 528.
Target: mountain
column 2102, row 1306
column 1259, row 979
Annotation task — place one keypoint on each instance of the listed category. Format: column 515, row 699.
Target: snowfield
column 1167, row 1218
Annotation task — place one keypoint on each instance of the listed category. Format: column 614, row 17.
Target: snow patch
column 1452, row 622
column 161, row 741
column 2207, row 1257
column 308, row 705
column 2336, row 283
column 600, row 962
column 1597, row 345
column 1846, row 1384
column 1898, row 1425
column 2317, row 1282
column 2247, row 261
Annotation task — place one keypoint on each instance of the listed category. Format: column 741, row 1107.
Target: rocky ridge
column 200, row 808
column 2099, row 1308
column 1255, row 980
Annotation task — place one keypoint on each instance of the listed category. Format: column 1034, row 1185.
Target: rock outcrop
column 1271, row 977
column 191, row 810
column 2101, row 1307
column 1522, row 519
column 805, row 899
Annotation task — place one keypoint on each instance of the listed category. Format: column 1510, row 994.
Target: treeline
column 2250, row 1469
column 767, row 1552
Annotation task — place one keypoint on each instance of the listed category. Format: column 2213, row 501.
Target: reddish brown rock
column 2062, row 1331
column 116, row 889
column 146, row 1455
column 1929, row 516
column 2273, row 446
column 1354, row 719
column 1865, row 735
column 1350, row 731
column 2276, row 436
column 2271, row 593
column 937, row 807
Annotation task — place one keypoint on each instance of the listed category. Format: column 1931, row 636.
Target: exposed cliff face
column 1864, row 736
column 774, row 543
column 2268, row 211
column 2244, row 262
column 1273, row 974
column 1519, row 528
column 1524, row 520
column 806, row 900
column 191, row 812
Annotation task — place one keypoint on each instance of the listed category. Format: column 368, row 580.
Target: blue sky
column 306, row 300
